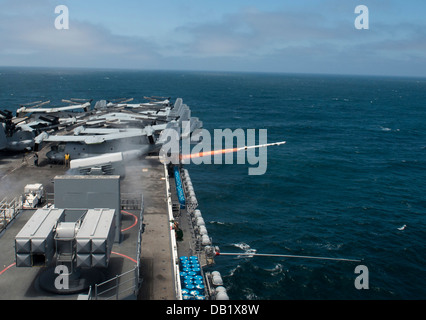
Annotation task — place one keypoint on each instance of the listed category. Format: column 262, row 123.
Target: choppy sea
column 351, row 175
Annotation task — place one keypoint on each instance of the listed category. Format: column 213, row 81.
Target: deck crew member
column 179, row 232
column 67, row 159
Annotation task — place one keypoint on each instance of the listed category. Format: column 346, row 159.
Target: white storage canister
column 222, row 296
column 217, row 280
column 205, row 240
column 200, row 222
column 220, row 289
column 203, row 230
column 197, row 213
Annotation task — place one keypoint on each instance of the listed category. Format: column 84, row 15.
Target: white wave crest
column 246, row 248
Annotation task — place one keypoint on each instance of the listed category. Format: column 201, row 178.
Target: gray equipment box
column 34, row 245
column 90, row 192
column 95, row 238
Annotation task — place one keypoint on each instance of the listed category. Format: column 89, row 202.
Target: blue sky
column 304, row 36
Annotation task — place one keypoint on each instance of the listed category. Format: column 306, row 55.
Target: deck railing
column 9, row 210
column 120, row 287
column 127, row 284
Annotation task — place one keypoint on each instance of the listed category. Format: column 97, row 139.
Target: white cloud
column 249, row 39
column 35, row 41
column 256, row 32
column 307, row 42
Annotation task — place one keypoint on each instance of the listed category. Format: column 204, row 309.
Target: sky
column 288, row 36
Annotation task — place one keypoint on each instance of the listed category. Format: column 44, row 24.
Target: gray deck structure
column 143, row 261
column 143, row 177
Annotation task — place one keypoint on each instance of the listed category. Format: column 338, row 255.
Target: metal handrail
column 117, row 285
column 95, row 294
column 9, row 210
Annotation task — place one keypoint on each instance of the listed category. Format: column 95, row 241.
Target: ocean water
column 353, row 171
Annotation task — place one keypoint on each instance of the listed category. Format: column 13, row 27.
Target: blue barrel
column 179, row 188
column 193, row 258
column 187, row 297
column 198, row 277
column 183, row 258
column 186, row 270
column 200, row 297
column 194, row 292
column 196, row 270
column 199, row 286
column 190, row 287
column 185, row 291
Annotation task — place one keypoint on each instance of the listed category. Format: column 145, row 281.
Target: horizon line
column 214, row 71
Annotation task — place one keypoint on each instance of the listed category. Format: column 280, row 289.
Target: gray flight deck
column 148, row 220
column 143, row 177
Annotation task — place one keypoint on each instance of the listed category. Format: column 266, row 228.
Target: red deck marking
column 134, row 223
column 5, row 269
column 123, row 255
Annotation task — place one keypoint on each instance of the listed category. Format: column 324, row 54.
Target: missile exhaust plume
column 229, row 150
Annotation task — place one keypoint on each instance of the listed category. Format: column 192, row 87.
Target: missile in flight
column 229, row 150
